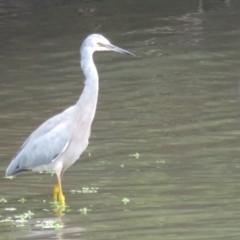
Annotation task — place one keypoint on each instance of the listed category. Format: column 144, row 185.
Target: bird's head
column 97, row 42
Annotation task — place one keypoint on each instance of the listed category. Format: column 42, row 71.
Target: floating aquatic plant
column 125, row 201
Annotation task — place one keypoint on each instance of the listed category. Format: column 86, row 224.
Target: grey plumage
column 44, row 145
column 59, row 142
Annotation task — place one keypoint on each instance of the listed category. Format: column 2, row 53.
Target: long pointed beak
column 117, row 49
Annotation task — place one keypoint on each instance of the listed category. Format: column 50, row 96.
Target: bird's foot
column 58, row 195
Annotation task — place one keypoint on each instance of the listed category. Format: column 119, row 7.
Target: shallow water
column 166, row 132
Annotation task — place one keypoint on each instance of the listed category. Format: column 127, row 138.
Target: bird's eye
column 100, row 45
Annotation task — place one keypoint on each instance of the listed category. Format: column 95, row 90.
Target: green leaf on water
column 84, row 210
column 10, row 209
column 22, row 200
column 125, row 201
column 136, row 155
column 3, row 200
column 10, row 177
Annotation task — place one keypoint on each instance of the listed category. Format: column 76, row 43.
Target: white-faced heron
column 58, row 143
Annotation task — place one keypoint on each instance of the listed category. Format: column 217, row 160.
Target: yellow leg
column 57, row 192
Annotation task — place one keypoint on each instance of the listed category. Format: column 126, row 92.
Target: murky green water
column 166, row 134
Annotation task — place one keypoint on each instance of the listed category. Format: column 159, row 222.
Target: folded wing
column 44, row 145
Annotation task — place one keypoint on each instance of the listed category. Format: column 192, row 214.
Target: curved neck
column 90, row 91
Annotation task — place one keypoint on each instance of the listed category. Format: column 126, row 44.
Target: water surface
column 166, row 132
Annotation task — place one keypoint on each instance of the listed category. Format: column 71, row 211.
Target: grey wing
column 44, row 145
column 47, row 126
